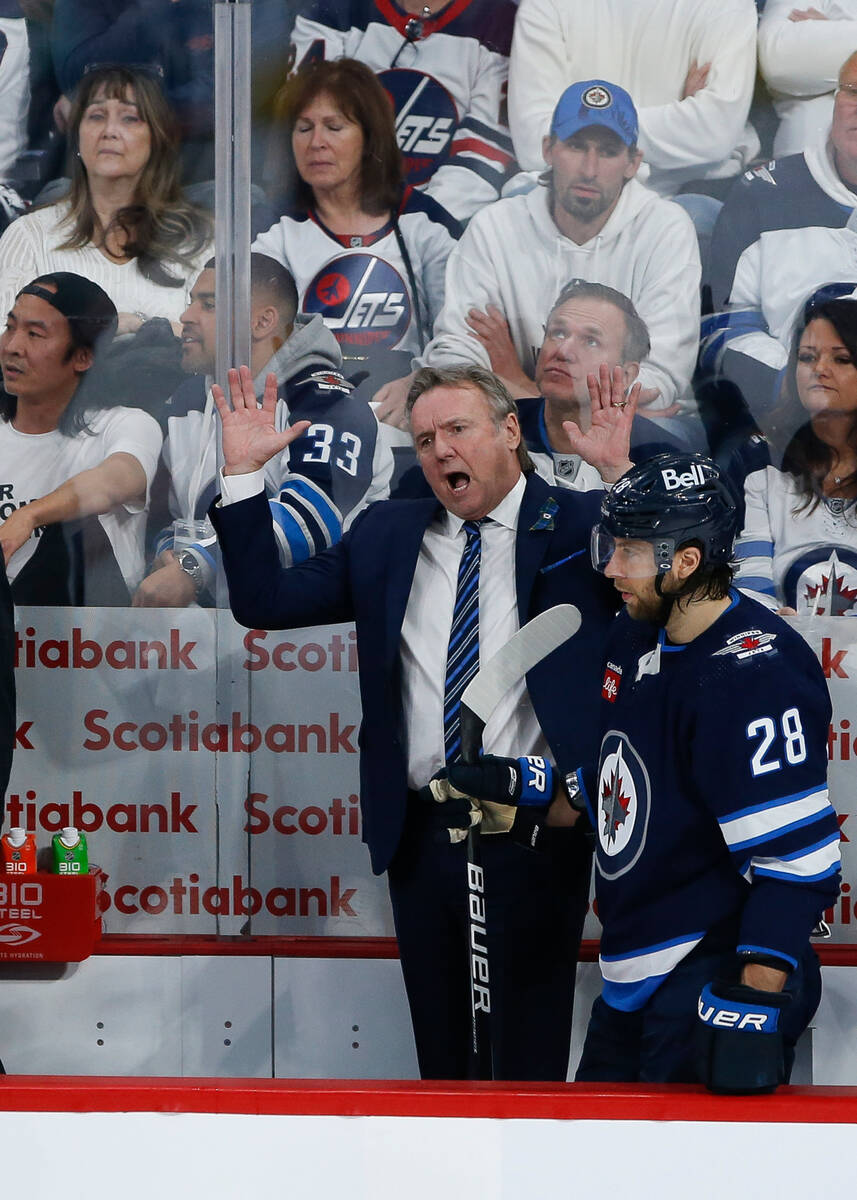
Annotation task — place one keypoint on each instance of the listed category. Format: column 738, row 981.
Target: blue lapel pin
column 547, row 512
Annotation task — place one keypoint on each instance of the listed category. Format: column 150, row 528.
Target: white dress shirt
column 512, row 729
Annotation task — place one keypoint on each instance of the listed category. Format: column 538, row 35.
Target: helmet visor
column 628, row 558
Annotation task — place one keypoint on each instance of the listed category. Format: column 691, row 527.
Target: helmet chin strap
column 667, row 600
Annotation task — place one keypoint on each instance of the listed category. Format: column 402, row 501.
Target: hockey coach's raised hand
column 250, row 435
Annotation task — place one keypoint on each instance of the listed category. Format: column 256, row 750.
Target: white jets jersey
column 446, row 76
column 14, row 83
column 371, row 296
column 802, row 557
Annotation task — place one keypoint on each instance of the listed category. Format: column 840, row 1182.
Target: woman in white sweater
column 125, row 223
column 798, row 549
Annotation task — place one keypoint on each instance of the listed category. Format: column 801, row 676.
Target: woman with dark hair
column 125, row 223
column 366, row 252
column 799, row 543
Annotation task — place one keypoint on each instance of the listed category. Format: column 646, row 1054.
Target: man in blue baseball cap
column 591, row 152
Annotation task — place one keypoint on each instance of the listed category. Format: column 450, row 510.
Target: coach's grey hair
column 470, row 375
column 637, row 343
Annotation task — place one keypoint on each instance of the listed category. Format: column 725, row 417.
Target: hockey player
column 717, row 848
column 445, row 67
column 320, row 482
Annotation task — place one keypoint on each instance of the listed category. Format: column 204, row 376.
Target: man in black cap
column 74, row 473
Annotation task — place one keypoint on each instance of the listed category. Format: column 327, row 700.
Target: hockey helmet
column 668, row 500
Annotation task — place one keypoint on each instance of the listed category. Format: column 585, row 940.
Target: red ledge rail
column 334, row 947
column 563, row 1102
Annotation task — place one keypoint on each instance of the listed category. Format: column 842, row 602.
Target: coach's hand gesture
column 250, row 436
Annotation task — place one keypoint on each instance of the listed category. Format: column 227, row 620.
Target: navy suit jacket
column 367, row 576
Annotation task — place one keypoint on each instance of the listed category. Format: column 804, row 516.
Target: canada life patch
column 612, row 679
column 363, row 300
column 426, row 120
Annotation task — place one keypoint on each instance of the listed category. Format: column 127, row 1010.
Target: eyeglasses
column 848, row 92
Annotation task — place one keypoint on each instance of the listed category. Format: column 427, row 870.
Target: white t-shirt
column 34, row 464
column 30, row 247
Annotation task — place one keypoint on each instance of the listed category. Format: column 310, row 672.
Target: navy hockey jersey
column 446, row 76
column 710, row 803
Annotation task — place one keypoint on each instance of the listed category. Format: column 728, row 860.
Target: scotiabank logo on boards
column 339, row 818
column 186, row 897
column 79, row 653
column 183, row 731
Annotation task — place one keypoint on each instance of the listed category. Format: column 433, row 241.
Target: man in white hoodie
column 590, row 220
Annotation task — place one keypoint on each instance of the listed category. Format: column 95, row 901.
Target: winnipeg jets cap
column 595, row 102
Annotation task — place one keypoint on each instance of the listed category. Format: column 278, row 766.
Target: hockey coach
column 717, row 849
column 436, row 585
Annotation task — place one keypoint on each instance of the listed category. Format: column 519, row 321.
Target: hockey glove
column 739, row 1043
column 451, row 813
column 515, row 781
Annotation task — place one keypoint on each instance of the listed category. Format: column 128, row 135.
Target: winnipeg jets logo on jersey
column 363, row 300
column 426, row 119
column 748, row 644
column 823, row 582
column 624, row 801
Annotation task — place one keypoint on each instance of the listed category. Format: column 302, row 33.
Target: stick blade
column 533, row 642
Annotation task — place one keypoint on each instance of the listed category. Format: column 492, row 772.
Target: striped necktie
column 462, row 656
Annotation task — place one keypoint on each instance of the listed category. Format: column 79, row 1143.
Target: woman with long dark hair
column 125, row 223
column 799, row 543
column 366, row 251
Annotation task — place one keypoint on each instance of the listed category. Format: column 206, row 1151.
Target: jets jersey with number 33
column 710, row 804
column 446, row 75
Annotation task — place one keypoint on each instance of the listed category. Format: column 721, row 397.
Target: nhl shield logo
column 597, row 97
column 624, row 802
column 363, row 300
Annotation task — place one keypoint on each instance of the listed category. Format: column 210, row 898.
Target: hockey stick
column 533, row 642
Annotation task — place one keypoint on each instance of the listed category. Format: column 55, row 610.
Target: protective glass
column 630, row 558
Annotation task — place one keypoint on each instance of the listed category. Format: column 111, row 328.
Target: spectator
column 177, row 37
column 799, row 543
column 125, row 224
column 65, row 457
column 14, row 84
column 784, row 231
column 590, row 220
column 689, row 64
column 445, row 67
column 320, row 483
column 800, row 53
column 594, row 341
column 365, row 252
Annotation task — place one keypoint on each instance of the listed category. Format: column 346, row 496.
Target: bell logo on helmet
column 673, row 481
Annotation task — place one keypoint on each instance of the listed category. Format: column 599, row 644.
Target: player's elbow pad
column 739, row 1044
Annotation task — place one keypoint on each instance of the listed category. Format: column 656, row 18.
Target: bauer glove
column 739, row 1042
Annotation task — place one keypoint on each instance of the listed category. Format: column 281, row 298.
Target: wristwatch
column 189, row 563
column 574, row 792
